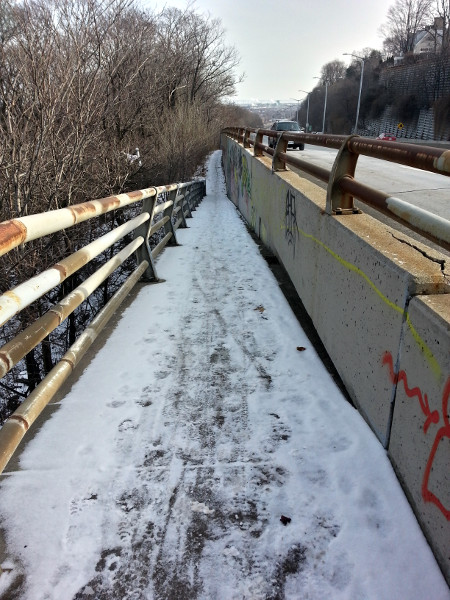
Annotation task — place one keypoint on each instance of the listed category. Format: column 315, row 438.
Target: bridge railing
column 342, row 187
column 164, row 210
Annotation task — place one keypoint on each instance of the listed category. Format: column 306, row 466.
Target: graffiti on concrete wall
column 231, row 174
column 290, row 220
column 246, row 180
column 238, row 175
column 431, row 417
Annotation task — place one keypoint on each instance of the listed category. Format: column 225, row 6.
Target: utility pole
column 325, row 103
column 298, row 107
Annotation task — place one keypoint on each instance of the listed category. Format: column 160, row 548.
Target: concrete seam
column 405, row 317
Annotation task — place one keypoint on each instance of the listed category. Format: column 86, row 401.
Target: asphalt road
column 421, row 188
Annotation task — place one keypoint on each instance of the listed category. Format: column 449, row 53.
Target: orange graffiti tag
column 431, row 417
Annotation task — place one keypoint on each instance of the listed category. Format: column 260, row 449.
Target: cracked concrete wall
column 361, row 283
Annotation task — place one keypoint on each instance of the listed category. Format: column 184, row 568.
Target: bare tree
column 333, row 71
column 405, row 18
column 439, row 26
column 82, row 84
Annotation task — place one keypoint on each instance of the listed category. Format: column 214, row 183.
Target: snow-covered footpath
column 167, row 468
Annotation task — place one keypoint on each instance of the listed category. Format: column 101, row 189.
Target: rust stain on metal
column 26, row 340
column 74, row 262
column 21, row 420
column 62, row 270
column 137, row 194
column 14, row 297
column 443, row 162
column 86, row 209
column 6, row 360
column 12, row 233
column 82, row 210
column 59, row 312
column 69, row 362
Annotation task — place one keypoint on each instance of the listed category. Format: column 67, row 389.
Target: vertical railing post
column 168, row 212
column 195, row 194
column 246, row 138
column 199, row 192
column 279, row 164
column 190, row 191
column 144, row 252
column 258, row 140
column 184, row 189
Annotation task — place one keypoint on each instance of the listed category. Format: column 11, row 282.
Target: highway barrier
column 342, row 185
column 379, row 300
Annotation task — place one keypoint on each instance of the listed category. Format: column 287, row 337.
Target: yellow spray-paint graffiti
column 246, row 182
column 238, row 168
column 353, row 268
column 239, row 180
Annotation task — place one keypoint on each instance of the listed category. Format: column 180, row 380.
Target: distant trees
column 421, row 84
column 343, row 90
column 442, row 12
column 238, row 116
column 332, row 71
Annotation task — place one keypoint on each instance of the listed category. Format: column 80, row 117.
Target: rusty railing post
column 144, row 252
column 246, row 138
column 186, row 200
column 258, row 140
column 278, row 163
column 338, row 201
column 168, row 212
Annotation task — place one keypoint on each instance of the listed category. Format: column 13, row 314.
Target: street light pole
column 325, row 103
column 360, row 87
column 307, row 111
column 298, row 105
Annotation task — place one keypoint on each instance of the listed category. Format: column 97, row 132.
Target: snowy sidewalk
column 167, row 468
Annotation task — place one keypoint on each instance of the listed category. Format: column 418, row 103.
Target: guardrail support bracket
column 246, row 138
column 338, row 202
column 278, row 164
column 258, row 140
column 144, row 252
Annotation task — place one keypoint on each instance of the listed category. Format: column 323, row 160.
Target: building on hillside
column 430, row 39
column 427, row 41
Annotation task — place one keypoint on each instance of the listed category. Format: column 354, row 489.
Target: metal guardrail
column 179, row 200
column 342, row 185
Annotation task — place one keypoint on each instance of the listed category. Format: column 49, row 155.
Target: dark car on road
column 291, row 127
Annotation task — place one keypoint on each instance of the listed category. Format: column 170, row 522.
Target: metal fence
column 342, row 186
column 164, row 210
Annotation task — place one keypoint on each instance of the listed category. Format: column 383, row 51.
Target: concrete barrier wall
column 362, row 288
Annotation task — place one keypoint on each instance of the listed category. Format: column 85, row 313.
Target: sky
column 284, row 43
column 166, row 469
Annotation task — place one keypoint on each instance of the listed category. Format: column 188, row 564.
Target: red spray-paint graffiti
column 431, row 417
column 444, row 432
